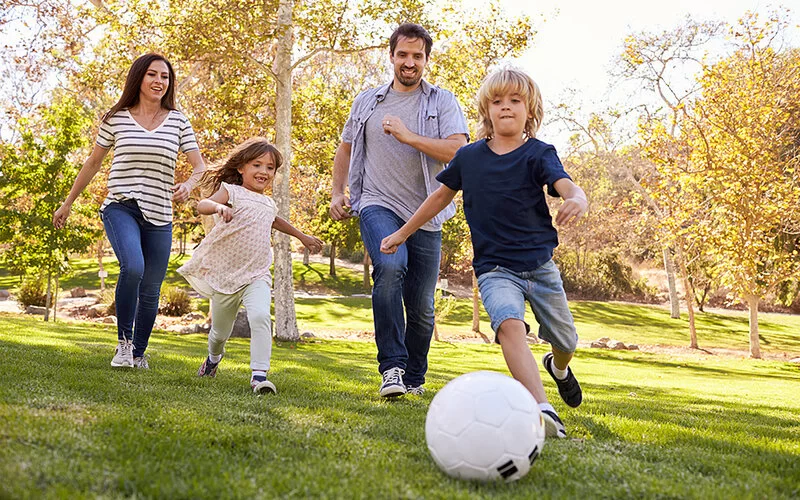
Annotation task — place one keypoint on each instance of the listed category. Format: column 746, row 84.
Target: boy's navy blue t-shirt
column 504, row 203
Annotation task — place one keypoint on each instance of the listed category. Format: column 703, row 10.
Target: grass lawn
column 312, row 278
column 650, row 426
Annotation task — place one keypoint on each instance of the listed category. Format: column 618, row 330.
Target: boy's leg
column 545, row 292
column 256, row 299
column 519, row 358
column 424, row 252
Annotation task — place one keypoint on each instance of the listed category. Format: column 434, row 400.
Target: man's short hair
column 411, row 30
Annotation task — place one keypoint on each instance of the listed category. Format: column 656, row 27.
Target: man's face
column 409, row 61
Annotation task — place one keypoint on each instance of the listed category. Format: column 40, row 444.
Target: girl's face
column 258, row 174
column 508, row 114
column 155, row 82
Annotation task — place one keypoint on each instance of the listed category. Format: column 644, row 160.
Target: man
column 397, row 138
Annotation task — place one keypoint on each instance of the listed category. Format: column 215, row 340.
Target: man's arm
column 440, row 149
column 340, row 203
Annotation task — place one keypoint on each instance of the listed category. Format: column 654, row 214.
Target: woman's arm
column 182, row 190
column 90, row 168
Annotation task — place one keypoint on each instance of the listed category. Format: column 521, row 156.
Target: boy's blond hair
column 509, row 81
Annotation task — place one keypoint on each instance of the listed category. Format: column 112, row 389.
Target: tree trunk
column 47, row 298
column 669, row 267
column 367, row 283
column 435, row 331
column 100, row 247
column 332, row 267
column 476, row 321
column 689, row 295
column 55, row 296
column 306, row 254
column 285, row 318
column 755, row 346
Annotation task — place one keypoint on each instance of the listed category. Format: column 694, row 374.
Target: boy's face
column 508, row 114
column 258, row 174
column 409, row 61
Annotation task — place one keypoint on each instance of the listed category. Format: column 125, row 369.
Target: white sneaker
column 416, row 390
column 553, row 426
column 123, row 354
column 392, row 385
column 142, row 362
column 262, row 386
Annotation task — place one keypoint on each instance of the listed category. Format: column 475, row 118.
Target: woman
column 146, row 132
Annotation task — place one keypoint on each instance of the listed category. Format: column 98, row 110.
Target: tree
column 36, row 176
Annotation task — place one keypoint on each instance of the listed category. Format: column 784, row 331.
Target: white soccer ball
column 484, row 426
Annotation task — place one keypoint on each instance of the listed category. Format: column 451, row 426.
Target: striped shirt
column 143, row 168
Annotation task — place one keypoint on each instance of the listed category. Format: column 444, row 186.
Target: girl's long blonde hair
column 509, row 81
column 228, row 169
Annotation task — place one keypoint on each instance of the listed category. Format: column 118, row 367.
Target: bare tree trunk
column 48, row 297
column 689, row 295
column 435, row 331
column 332, row 267
column 100, row 247
column 55, row 296
column 306, row 254
column 476, row 304
column 674, row 301
column 285, row 317
column 755, row 345
column 367, row 282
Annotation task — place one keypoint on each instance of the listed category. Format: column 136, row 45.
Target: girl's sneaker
column 123, row 355
column 208, row 369
column 261, row 385
column 142, row 362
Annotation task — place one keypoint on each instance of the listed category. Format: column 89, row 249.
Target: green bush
column 356, row 256
column 603, row 276
column 175, row 301
column 32, row 292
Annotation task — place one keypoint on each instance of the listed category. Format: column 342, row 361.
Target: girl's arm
column 182, row 190
column 313, row 243
column 216, row 204
column 574, row 205
column 435, row 203
column 90, row 168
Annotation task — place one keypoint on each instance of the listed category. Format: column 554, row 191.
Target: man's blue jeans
column 142, row 250
column 405, row 278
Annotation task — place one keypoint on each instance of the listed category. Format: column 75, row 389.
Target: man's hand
column 395, row 126
column 340, row 207
column 390, row 243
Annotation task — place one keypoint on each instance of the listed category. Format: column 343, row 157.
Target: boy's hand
column 225, row 212
column 391, row 242
column 571, row 210
column 313, row 243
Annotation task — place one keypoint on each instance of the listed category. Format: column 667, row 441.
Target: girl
column 146, row 132
column 503, row 176
column 231, row 265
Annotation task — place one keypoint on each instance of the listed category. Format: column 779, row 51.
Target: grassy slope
column 650, row 426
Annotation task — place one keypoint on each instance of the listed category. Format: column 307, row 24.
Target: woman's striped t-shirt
column 143, row 168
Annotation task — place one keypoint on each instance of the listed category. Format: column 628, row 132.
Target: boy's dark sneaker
column 553, row 426
column 208, row 369
column 569, row 388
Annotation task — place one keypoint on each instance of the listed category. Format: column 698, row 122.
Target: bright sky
column 578, row 39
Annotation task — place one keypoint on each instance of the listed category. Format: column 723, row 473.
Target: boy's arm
column 313, row 243
column 435, row 203
column 216, row 204
column 575, row 203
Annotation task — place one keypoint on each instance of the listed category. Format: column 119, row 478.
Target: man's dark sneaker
column 392, row 385
column 208, row 369
column 569, row 388
column 553, row 426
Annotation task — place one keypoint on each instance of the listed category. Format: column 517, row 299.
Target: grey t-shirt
column 393, row 175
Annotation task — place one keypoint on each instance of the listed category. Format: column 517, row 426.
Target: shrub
column 175, row 301
column 32, row 292
column 356, row 256
column 603, row 276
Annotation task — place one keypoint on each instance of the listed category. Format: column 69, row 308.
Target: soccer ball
column 484, row 426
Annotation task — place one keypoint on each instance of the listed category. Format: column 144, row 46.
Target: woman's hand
column 180, row 192
column 60, row 217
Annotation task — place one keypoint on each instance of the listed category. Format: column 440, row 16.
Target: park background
column 687, row 147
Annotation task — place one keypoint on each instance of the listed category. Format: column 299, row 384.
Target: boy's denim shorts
column 504, row 293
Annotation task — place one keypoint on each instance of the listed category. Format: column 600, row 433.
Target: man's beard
column 408, row 82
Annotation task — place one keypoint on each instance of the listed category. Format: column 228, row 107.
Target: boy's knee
column 510, row 330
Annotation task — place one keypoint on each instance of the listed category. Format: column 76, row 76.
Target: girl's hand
column 225, row 212
column 60, row 217
column 391, row 242
column 180, row 192
column 313, row 243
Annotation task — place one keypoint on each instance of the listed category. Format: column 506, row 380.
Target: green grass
column 312, row 278
column 650, row 426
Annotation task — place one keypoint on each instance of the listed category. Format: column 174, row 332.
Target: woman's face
column 155, row 82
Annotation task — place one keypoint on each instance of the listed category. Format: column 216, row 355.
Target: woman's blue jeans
column 142, row 250
column 406, row 278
